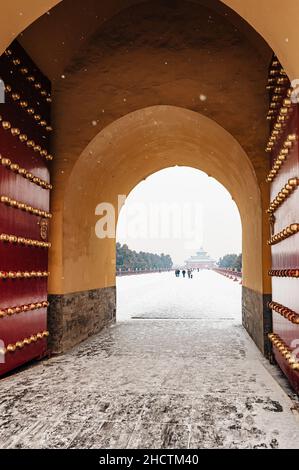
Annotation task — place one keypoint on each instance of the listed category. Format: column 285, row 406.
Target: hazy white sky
column 177, row 210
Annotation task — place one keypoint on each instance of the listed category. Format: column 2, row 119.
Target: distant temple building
column 200, row 261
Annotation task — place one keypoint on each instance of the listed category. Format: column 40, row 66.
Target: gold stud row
column 10, row 348
column 25, row 71
column 278, row 90
column 285, row 312
column 284, row 350
column 279, row 85
column 275, row 61
column 282, row 156
column 283, row 194
column 283, row 109
column 284, row 272
column 24, row 207
column 285, row 233
column 7, row 312
column 281, row 114
column 279, row 94
column 25, row 106
column 22, row 274
column 23, row 172
column 15, row 131
column 23, row 241
column 278, row 81
column 281, row 118
column 276, row 71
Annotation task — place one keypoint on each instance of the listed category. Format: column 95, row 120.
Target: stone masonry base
column 74, row 317
column 257, row 318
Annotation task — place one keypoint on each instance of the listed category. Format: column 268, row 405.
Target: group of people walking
column 189, row 273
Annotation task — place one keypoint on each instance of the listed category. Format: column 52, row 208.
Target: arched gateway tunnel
column 100, row 95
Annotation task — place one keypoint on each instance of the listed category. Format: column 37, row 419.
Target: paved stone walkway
column 170, row 383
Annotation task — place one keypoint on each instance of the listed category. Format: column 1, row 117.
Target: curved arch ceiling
column 275, row 22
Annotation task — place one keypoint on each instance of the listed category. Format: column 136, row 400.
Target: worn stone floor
column 192, row 379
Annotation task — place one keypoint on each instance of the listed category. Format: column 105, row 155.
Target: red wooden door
column 24, row 209
column 284, row 222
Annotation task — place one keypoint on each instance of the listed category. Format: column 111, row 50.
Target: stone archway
column 94, row 93
column 120, row 156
